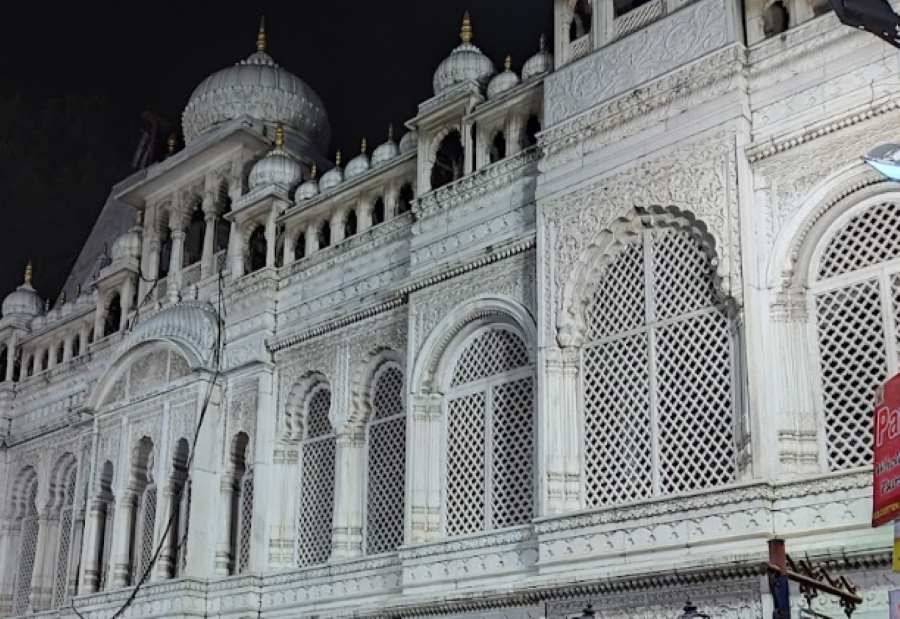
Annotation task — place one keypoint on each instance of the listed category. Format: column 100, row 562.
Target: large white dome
column 464, row 63
column 261, row 89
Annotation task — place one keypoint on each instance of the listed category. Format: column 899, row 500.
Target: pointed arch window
column 61, row 590
column 657, row 374
column 490, row 433
column 143, row 511
column 448, row 163
column 106, row 509
column 317, row 480
column 180, row 508
column 241, row 505
column 386, row 462
column 856, row 296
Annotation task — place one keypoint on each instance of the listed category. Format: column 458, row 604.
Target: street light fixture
column 885, row 159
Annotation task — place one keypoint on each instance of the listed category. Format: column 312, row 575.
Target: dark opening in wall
column 193, row 240
column 775, row 19
column 279, row 245
column 378, row 211
column 324, row 234
column 300, row 246
column 165, row 251
column 621, row 7
column 580, row 24
column 113, row 315
column 349, row 224
column 449, row 161
column 532, row 128
column 256, row 249
column 76, row 346
column 3, row 363
column 498, row 147
column 60, row 353
column 405, row 199
column 223, row 228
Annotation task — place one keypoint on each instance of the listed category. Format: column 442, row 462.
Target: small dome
column 464, row 63
column 24, row 300
column 541, row 62
column 308, row 189
column 334, row 176
column 128, row 245
column 359, row 164
column 503, row 81
column 387, row 151
column 409, row 142
column 278, row 167
column 261, row 89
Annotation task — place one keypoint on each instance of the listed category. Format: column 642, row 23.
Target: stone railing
column 639, row 17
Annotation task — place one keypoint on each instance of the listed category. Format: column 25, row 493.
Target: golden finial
column 279, row 136
column 171, row 143
column 542, row 42
column 507, row 64
column 28, row 273
column 465, row 33
column 363, row 146
column 391, row 132
column 313, row 171
column 337, row 159
column 261, row 35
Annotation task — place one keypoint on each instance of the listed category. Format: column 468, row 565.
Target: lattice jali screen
column 314, row 521
column 60, row 583
column 490, row 435
column 657, row 374
column 387, row 464
column 857, row 310
column 28, row 533
column 871, row 237
column 143, row 548
column 245, row 524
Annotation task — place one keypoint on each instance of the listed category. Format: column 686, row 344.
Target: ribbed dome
column 541, row 62
column 359, row 164
column 503, row 81
column 465, row 63
column 334, row 176
column 261, row 89
column 278, row 167
column 409, row 142
column 128, row 245
column 387, row 151
column 309, row 188
column 24, row 301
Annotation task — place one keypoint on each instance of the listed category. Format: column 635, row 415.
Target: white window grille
column 106, row 542
column 386, row 463
column 27, row 546
column 490, row 434
column 316, row 482
column 657, row 374
column 143, row 539
column 857, row 308
column 245, row 521
column 60, row 586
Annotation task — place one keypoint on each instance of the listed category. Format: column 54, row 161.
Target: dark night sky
column 74, row 79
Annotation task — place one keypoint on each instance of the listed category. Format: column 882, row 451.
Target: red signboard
column 886, row 456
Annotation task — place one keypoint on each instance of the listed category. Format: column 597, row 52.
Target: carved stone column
column 83, row 340
column 173, row 289
column 90, row 568
column 791, row 373
column 41, row 576
column 67, row 349
column 126, row 296
column 224, row 559
column 288, row 249
column 337, row 227
column 561, row 445
column 236, row 252
column 346, row 538
column 121, row 565
column 9, row 551
column 164, row 504
column 209, row 234
column 11, row 345
column 363, row 215
column 312, row 239
column 271, row 240
column 423, row 466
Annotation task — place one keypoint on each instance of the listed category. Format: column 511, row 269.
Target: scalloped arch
column 363, row 379
column 294, row 413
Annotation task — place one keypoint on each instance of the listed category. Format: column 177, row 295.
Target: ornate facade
column 591, row 331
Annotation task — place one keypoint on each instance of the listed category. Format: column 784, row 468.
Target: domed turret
column 278, row 167
column 24, row 301
column 465, row 63
column 503, row 81
column 128, row 245
column 409, row 142
column 308, row 189
column 334, row 176
column 387, row 151
column 541, row 62
column 261, row 89
column 359, row 164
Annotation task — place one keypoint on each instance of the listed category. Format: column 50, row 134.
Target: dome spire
column 279, row 136
column 363, row 146
column 261, row 36
column 542, row 42
column 313, row 171
column 391, row 132
column 28, row 273
column 507, row 64
column 337, row 159
column 465, row 33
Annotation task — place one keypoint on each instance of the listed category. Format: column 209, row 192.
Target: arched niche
column 148, row 369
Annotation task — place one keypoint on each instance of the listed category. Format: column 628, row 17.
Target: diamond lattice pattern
column 657, row 383
column 246, row 522
column 387, row 464
column 28, row 545
column 853, row 364
column 60, row 593
column 144, row 550
column 492, row 352
column 490, row 436
column 316, row 484
column 869, row 238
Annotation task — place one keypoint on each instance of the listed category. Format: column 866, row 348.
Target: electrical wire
column 217, row 353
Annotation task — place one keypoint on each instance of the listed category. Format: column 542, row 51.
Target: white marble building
column 592, row 330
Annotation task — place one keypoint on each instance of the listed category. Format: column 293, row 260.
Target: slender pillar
column 9, row 550
column 288, row 249
column 90, row 569
column 346, row 538
column 224, row 552
column 121, row 554
column 423, row 469
column 83, row 340
column 175, row 265
column 126, row 294
column 312, row 239
column 236, row 252
column 363, row 215
column 337, row 227
column 39, row 574
column 271, row 239
column 164, row 505
column 11, row 345
column 207, row 262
